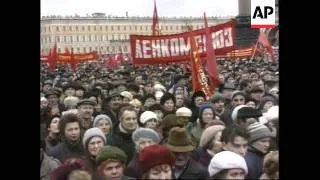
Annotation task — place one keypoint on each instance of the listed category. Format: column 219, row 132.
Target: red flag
column 211, row 62
column 264, row 41
column 52, row 58
column 73, row 62
column 199, row 80
column 155, row 21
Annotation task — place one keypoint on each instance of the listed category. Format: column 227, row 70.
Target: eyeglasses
column 237, row 100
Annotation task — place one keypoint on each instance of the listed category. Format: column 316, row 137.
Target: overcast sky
column 167, row 8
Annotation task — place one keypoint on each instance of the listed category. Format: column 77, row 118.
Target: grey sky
column 167, row 8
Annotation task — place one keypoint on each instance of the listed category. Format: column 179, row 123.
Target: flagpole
column 254, row 51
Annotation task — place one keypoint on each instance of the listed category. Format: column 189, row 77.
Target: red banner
column 199, row 80
column 176, row 47
column 64, row 57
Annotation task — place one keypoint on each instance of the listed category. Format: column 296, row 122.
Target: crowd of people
column 145, row 122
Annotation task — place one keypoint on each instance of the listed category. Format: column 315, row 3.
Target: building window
column 100, row 28
column 65, row 38
column 95, row 37
column 124, row 27
column 112, row 37
column 58, row 39
column 89, row 37
column 119, row 37
column 70, row 28
column 71, row 40
column 108, row 48
column 49, row 38
column 166, row 28
column 94, row 28
column 49, row 29
column 106, row 28
column 78, row 49
column 88, row 28
column 118, row 28
column 83, row 28
column 111, row 28
column 84, row 49
column 77, row 39
column 84, row 38
column 171, row 28
column 112, row 48
column 45, row 29
column 57, row 28
column 135, row 28
column 177, row 27
column 130, row 28
column 141, row 28
column 59, row 50
column 77, row 28
column 90, row 49
column 125, row 49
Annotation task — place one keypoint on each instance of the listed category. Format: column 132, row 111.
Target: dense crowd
column 145, row 122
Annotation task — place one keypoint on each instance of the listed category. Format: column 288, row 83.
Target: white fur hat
column 147, row 115
column 127, row 94
column 183, row 112
column 271, row 115
column 226, row 160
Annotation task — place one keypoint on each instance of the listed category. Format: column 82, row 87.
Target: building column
column 244, row 7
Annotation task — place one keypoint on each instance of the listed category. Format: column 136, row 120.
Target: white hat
column 271, row 115
column 158, row 87
column 183, row 112
column 147, row 115
column 127, row 94
column 226, row 160
column 235, row 111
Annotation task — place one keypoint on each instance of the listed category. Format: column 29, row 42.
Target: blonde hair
column 271, row 164
column 135, row 102
column 79, row 175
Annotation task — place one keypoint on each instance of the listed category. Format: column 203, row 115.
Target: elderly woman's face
column 141, row 143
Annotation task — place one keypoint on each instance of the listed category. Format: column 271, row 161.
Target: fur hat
column 209, row 134
column 234, row 113
column 100, row 117
column 198, row 94
column 248, row 112
column 258, row 131
column 155, row 155
column 111, row 152
column 145, row 133
column 147, row 115
column 271, row 115
column 179, row 140
column 183, row 112
column 226, row 160
column 71, row 101
column 127, row 94
column 90, row 133
column 216, row 97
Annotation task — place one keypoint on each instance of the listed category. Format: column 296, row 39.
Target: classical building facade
column 108, row 35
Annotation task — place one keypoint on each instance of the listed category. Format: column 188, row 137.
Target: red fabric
column 264, row 41
column 211, row 62
column 155, row 21
column 52, row 58
column 199, row 80
column 155, row 155
column 176, row 47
